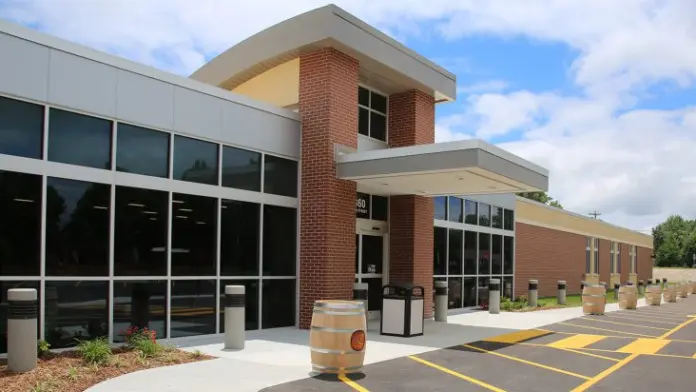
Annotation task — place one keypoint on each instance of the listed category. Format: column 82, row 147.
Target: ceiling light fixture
column 24, row 200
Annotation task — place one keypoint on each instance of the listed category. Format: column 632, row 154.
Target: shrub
column 95, row 352
column 42, row 348
column 133, row 335
column 146, row 347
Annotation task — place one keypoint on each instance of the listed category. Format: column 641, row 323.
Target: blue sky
column 600, row 93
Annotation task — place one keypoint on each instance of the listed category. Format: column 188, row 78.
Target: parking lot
column 648, row 349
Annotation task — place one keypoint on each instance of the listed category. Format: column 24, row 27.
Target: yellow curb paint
column 539, row 365
column 644, row 346
column 516, row 337
column 587, row 384
column 677, row 328
column 627, row 324
column 352, row 383
column 608, row 330
column 458, row 375
column 577, row 341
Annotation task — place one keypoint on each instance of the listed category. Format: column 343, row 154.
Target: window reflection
column 239, row 244
column 509, row 219
column 484, row 254
column 77, row 228
column 195, row 160
column 469, row 292
column 76, row 310
column 441, row 207
column 497, row 217
column 508, row 252
column 497, row 255
column 280, row 176
column 455, row 209
column 194, row 235
column 380, row 207
column 471, row 212
column 279, row 240
column 21, row 128
column 454, row 293
column 241, row 169
column 4, row 286
column 142, row 151
column 79, row 140
column 20, row 223
column 484, row 214
column 193, row 307
column 440, row 251
column 142, row 304
column 470, row 249
column 278, row 303
column 140, row 237
column 251, row 310
column 455, row 251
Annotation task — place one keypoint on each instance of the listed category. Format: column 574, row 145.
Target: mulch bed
column 67, row 372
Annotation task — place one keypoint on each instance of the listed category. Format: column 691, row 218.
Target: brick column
column 411, row 122
column 328, row 108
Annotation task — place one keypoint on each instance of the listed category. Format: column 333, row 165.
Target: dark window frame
column 371, row 110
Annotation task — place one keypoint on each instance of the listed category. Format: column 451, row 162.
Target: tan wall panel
column 537, row 214
column 279, row 86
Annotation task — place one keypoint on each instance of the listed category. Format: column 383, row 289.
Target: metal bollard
column 664, row 282
column 532, row 295
column 22, row 315
column 235, row 301
column 561, row 292
column 360, row 294
column 582, row 285
column 641, row 287
column 617, row 286
column 441, row 301
column 494, row 296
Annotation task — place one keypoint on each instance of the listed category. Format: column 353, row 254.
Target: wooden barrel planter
column 628, row 297
column 683, row 290
column 653, row 295
column 692, row 287
column 594, row 299
column 337, row 337
column 669, row 293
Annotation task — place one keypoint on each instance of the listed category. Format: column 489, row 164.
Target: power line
column 595, row 214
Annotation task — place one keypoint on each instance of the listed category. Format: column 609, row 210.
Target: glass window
column 441, row 207
column 239, row 244
column 596, row 255
column 140, row 232
column 193, row 307
column 241, row 169
column 142, row 304
column 251, row 308
column 280, row 176
column 76, row 310
column 363, row 96
column 470, row 251
column 588, row 256
column 471, row 211
column 469, row 292
column 483, row 290
column 378, row 102
column 194, row 235
column 456, row 237
column 21, row 128
column 508, row 255
column 380, row 208
column 618, row 258
column 484, row 254
column 372, row 119
column 455, row 209
column 497, row 217
column 372, row 254
column 77, row 228
column 278, row 303
column 4, row 286
column 497, row 255
column 142, row 151
column 20, row 224
column 507, row 287
column 362, row 206
column 454, row 293
column 195, row 160
column 363, row 121
column 484, row 214
column 378, row 126
column 79, row 140
column 611, row 258
column 635, row 259
column 509, row 219
column 440, row 251
column 279, row 240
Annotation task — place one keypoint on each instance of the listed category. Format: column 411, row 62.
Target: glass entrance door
column 369, row 268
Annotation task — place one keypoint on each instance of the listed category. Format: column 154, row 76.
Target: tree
column 674, row 242
column 541, row 197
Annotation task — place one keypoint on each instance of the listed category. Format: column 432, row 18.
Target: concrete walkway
column 281, row 355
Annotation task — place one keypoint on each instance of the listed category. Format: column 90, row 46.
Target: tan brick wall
column 411, row 122
column 549, row 256
column 328, row 108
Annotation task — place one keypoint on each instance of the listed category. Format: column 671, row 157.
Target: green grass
column 572, row 300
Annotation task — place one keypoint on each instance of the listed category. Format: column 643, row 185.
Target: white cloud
column 488, row 86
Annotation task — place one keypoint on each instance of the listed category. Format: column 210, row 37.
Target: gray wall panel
column 505, row 200
column 23, row 68
column 82, row 84
column 251, row 127
column 197, row 114
column 145, row 100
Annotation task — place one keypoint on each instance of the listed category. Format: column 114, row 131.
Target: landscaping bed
column 91, row 363
column 546, row 303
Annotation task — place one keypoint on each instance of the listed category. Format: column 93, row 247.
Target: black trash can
column 402, row 310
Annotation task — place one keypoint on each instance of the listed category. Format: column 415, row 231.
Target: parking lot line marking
column 677, row 328
column 575, row 333
column 516, row 337
column 608, row 330
column 644, row 346
column 584, row 386
column 577, row 341
column 646, row 319
column 457, row 374
column 572, row 350
column 553, row 369
column 628, row 324
column 352, row 383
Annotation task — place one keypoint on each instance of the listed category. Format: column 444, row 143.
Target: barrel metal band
column 336, row 330
column 561, row 286
column 359, row 294
column 22, row 310
column 493, row 286
column 440, row 290
column 332, row 313
column 329, row 351
column 235, row 300
column 533, row 286
column 334, row 368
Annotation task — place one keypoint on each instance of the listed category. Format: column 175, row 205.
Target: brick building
column 297, row 163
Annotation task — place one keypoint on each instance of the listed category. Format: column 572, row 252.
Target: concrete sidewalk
column 281, row 355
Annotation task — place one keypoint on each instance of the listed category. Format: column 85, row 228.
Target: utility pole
column 594, row 214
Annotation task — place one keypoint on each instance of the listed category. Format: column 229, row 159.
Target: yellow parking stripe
column 608, row 330
column 584, row 386
column 352, row 383
column 577, row 341
column 573, row 351
column 644, row 346
column 643, row 319
column 516, row 337
column 677, row 328
column 553, row 369
column 456, row 374
column 627, row 324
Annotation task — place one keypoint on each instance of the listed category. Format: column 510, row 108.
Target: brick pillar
column 411, row 122
column 328, row 108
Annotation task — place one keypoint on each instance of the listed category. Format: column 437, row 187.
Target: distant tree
column 674, row 242
column 541, row 197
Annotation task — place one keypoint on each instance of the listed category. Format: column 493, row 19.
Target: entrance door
column 370, row 268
